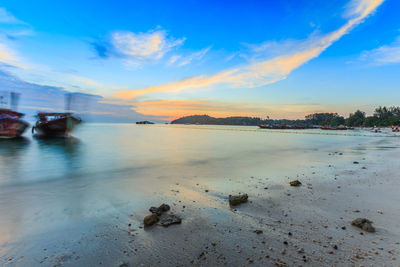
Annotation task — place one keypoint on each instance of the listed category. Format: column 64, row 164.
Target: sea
column 50, row 188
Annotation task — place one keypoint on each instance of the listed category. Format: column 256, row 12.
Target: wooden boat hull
column 12, row 128
column 58, row 127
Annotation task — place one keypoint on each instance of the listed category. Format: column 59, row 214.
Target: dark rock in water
column 295, row 183
column 170, row 219
column 364, row 224
column 238, row 199
column 356, row 162
column 160, row 210
column 151, row 219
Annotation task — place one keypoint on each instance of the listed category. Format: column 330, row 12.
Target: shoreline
column 300, row 225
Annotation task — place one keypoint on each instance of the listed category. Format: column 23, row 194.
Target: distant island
column 205, row 119
column 383, row 116
column 144, row 122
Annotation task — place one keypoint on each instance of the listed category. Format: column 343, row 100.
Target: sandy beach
column 99, row 221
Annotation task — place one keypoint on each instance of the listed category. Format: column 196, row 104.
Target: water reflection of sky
column 105, row 148
column 115, row 169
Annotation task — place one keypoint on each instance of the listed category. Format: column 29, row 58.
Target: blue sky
column 166, row 59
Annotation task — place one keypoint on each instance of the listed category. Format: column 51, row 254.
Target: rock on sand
column 238, row 199
column 151, row 219
column 364, row 224
column 295, row 183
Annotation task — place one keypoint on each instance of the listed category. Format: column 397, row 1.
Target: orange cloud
column 267, row 71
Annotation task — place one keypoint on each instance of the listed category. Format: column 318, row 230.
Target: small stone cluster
column 158, row 215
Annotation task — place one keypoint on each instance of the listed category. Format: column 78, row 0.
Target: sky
column 160, row 60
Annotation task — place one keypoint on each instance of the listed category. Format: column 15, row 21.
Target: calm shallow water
column 52, row 184
column 104, row 148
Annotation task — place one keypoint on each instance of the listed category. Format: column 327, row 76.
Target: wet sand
column 307, row 225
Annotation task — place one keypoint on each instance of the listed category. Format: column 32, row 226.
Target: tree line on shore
column 382, row 116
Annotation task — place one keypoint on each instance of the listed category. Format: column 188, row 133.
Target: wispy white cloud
column 263, row 72
column 137, row 48
column 13, row 27
column 10, row 57
column 19, row 65
column 8, row 18
column 173, row 59
column 182, row 60
column 230, row 57
column 196, row 56
column 142, row 46
column 383, row 55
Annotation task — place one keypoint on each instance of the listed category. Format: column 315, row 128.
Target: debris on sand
column 364, row 224
column 238, row 199
column 295, row 183
column 151, row 219
column 160, row 210
column 170, row 219
column 159, row 216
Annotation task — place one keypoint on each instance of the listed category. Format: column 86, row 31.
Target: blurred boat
column 281, row 127
column 11, row 124
column 276, row 127
column 55, row 124
column 334, row 128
